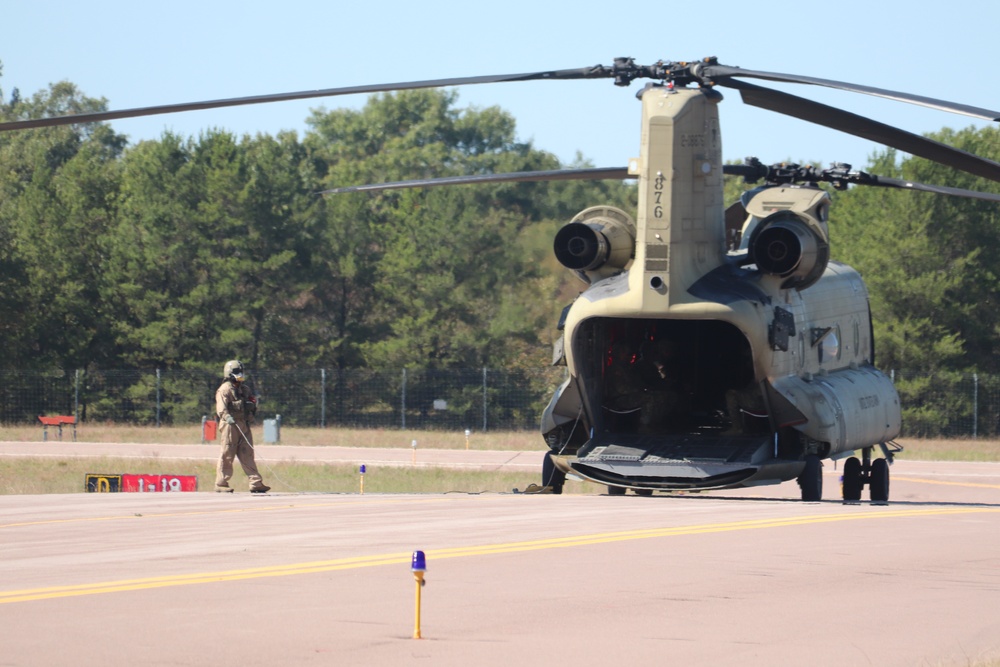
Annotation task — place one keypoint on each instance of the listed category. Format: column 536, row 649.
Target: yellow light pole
column 418, row 567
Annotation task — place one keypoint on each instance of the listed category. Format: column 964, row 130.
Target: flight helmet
column 233, row 370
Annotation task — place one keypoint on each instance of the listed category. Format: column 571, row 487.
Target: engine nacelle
column 791, row 246
column 597, row 243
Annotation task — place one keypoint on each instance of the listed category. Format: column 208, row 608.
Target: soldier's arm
column 221, row 403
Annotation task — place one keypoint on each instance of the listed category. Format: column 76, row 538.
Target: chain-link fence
column 481, row 399
column 947, row 405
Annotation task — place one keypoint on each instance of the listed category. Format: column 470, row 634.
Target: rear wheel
column 811, row 479
column 852, row 480
column 878, row 484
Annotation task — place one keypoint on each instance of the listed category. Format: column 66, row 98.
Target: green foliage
column 57, row 200
column 182, row 252
column 929, row 261
column 935, row 404
column 442, row 275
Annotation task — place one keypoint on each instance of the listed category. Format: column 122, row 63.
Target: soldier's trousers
column 235, row 446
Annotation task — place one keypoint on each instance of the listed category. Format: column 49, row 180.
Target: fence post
column 76, row 397
column 322, row 403
column 157, row 398
column 485, row 399
column 975, row 405
column 403, row 401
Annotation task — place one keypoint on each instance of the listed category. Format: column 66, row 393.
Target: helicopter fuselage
column 697, row 365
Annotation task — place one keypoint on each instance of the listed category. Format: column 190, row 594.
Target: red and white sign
column 158, row 483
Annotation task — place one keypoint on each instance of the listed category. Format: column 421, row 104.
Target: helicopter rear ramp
column 682, row 462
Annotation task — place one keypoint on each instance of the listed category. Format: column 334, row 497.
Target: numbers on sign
column 166, row 484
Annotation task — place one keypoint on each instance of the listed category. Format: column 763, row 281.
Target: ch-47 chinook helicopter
column 712, row 347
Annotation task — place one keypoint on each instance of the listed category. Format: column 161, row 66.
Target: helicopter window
column 829, row 347
column 747, row 231
column 822, row 212
column 735, row 219
column 562, row 318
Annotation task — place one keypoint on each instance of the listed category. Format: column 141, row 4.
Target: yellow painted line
column 356, row 562
column 935, row 481
column 201, row 578
column 755, row 524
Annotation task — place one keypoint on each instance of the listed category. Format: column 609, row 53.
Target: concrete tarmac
column 747, row 577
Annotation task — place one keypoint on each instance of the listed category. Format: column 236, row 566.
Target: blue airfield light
column 418, row 566
column 363, row 469
column 419, row 562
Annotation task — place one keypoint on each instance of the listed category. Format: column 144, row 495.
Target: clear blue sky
column 140, row 53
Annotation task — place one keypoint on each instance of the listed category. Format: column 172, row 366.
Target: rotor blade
column 883, row 181
column 621, row 173
column 595, row 72
column 712, row 71
column 590, row 174
column 599, row 173
column 866, row 128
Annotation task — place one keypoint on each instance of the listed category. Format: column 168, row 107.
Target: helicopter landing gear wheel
column 811, row 480
column 878, row 484
column 643, row 492
column 616, row 490
column 853, row 480
column 551, row 475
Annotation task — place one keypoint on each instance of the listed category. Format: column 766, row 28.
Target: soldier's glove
column 230, row 420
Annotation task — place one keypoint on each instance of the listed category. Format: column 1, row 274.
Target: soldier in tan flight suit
column 236, row 407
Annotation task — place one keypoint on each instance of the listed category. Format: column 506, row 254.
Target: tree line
column 182, row 252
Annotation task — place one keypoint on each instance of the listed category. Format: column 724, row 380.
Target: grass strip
column 41, row 475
